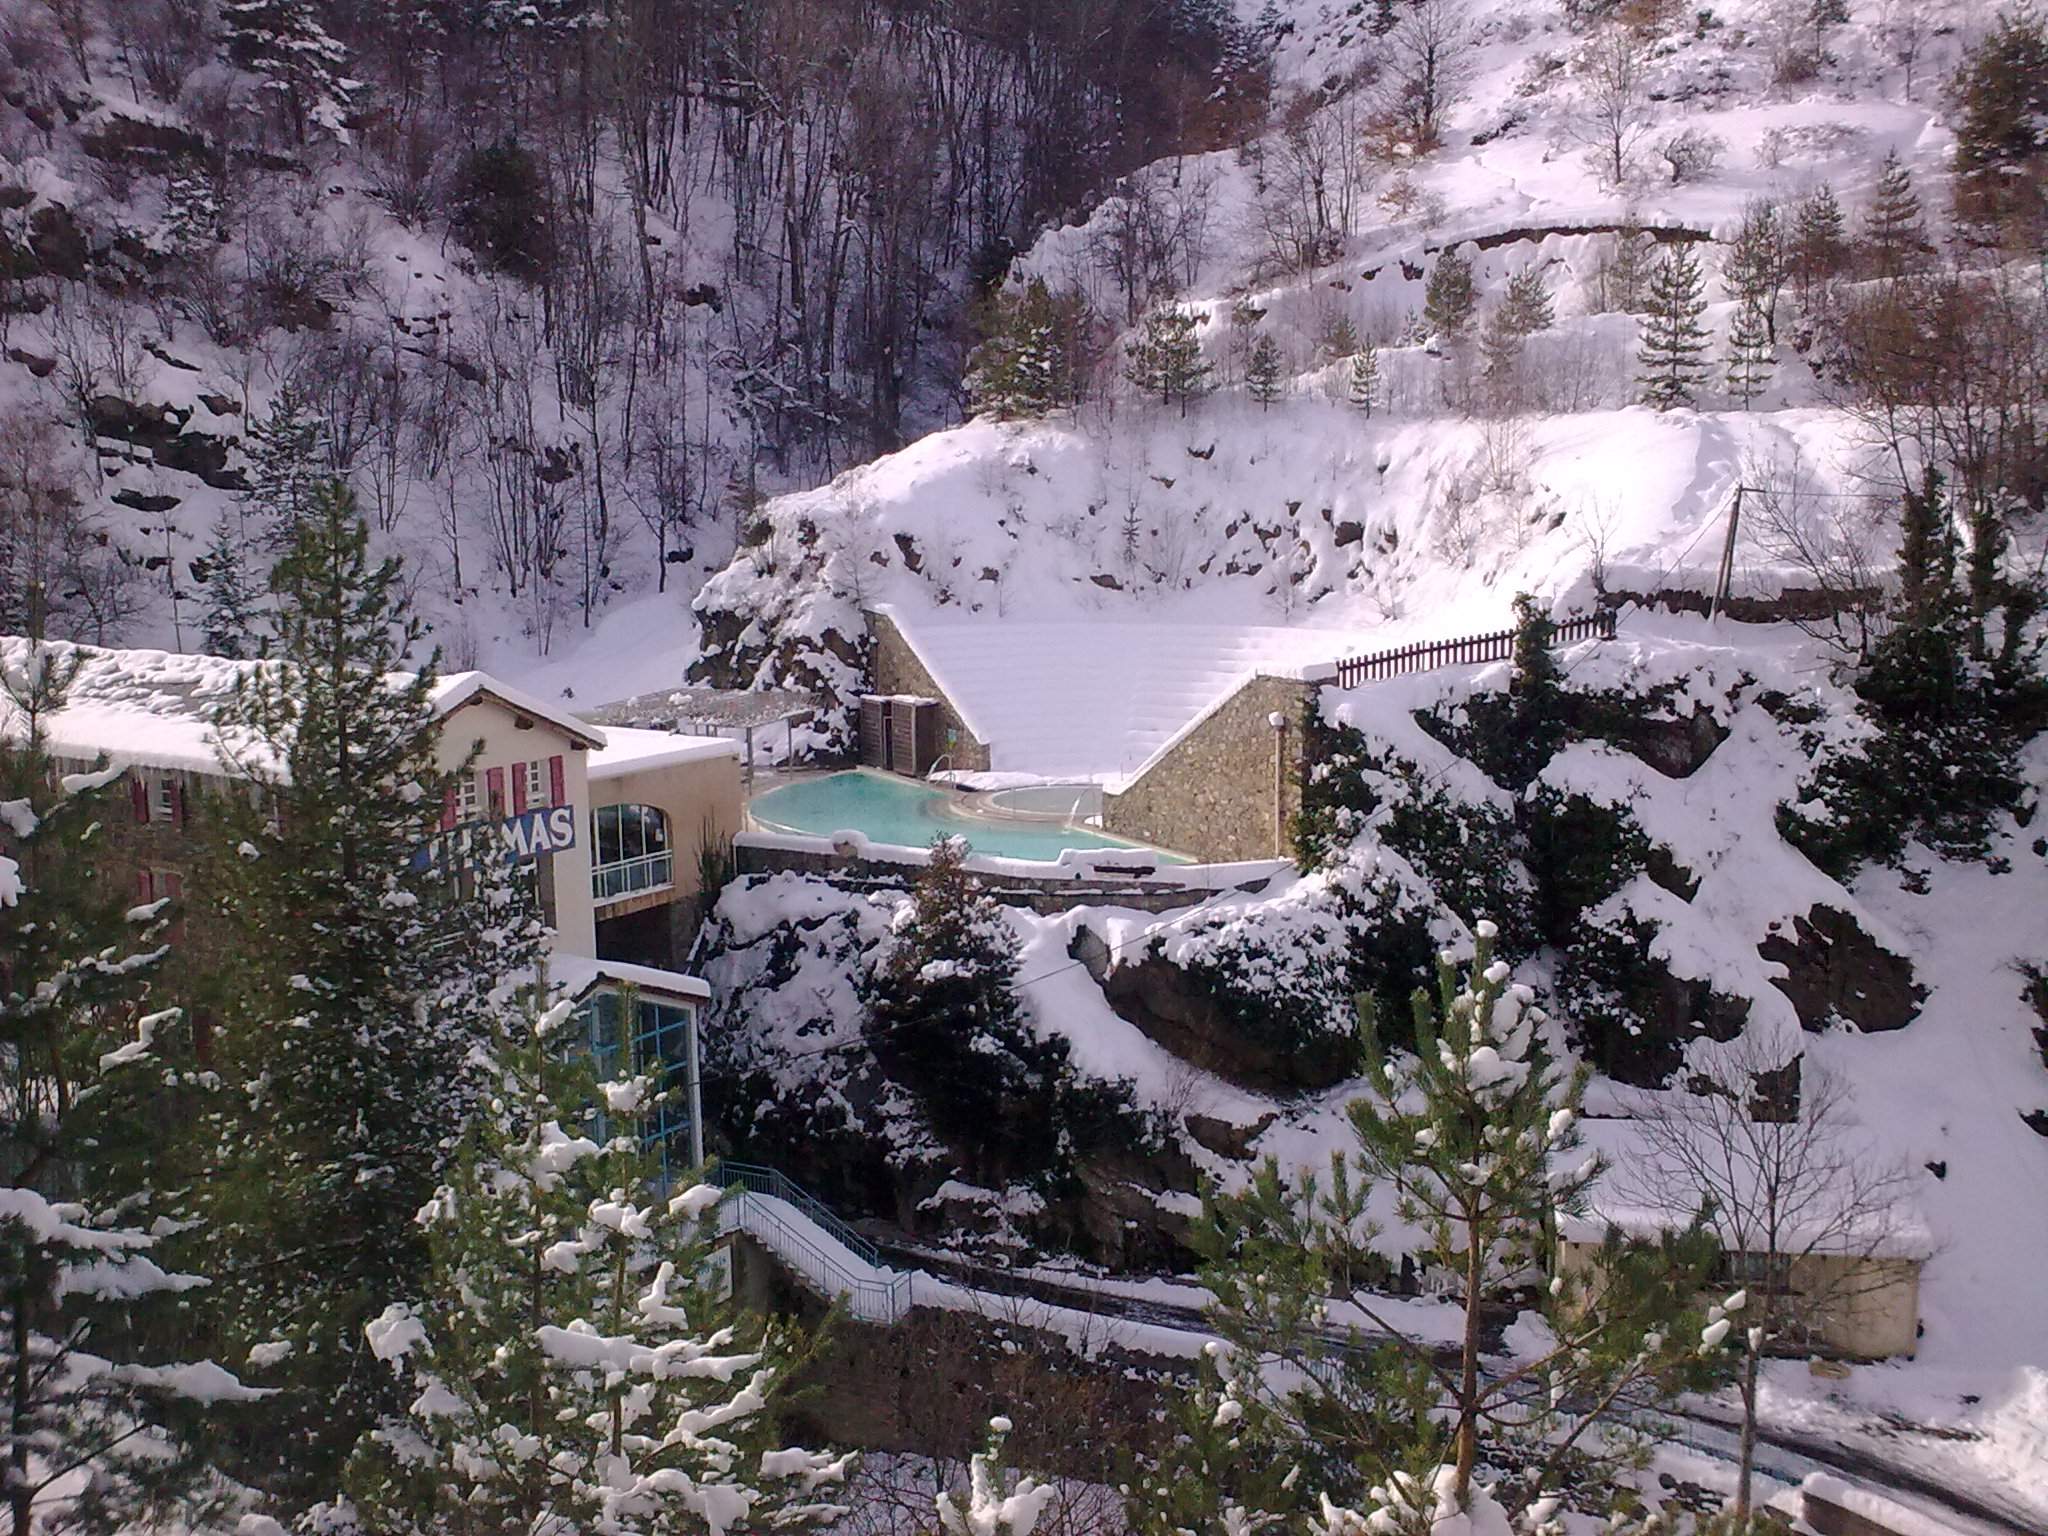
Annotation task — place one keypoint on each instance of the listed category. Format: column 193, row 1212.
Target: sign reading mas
column 523, row 838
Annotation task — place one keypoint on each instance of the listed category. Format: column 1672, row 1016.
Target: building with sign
column 617, row 826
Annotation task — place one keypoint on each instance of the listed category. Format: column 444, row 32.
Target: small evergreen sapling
column 1894, row 233
column 1450, row 299
column 1757, row 258
column 231, row 598
column 1263, row 371
column 285, row 470
column 1365, row 377
column 1166, row 358
column 1751, row 356
column 567, row 1366
column 1819, row 245
column 1671, row 351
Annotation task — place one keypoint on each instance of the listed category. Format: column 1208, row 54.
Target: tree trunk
column 1746, row 1453
column 1468, row 1371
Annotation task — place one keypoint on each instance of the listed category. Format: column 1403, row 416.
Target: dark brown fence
column 1498, row 646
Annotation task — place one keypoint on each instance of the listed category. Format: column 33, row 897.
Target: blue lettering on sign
column 524, row 837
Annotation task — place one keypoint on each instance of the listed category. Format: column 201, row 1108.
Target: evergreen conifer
column 1894, row 234
column 1450, row 299
column 231, row 612
column 1755, row 268
column 1819, row 244
column 285, row 469
column 567, row 1365
column 1166, row 358
column 1928, row 554
column 95, row 1423
column 343, row 1068
column 1527, row 302
column 2001, row 158
column 303, row 69
column 1365, row 377
column 1751, row 355
column 1262, row 373
column 1671, row 351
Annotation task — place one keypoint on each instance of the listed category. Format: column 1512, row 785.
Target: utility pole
column 1726, row 577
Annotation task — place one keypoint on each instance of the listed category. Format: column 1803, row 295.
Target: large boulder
column 1834, row 970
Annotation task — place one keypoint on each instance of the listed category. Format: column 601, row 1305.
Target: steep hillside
column 1634, row 850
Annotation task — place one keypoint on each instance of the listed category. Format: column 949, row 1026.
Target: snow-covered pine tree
column 90, row 1436
column 1751, row 356
column 1672, row 346
column 942, row 1012
column 1894, row 233
column 231, row 599
column 303, row 69
column 343, row 1086
column 1262, row 372
column 1755, row 268
column 1476, row 1135
column 1449, row 301
column 1819, row 247
column 567, row 1366
column 1165, row 358
column 1928, row 555
column 1227, row 1466
column 1022, row 369
column 1365, row 377
column 285, row 469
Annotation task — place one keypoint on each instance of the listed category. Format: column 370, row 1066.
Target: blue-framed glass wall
column 661, row 1043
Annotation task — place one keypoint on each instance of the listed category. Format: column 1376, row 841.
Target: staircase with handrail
column 818, row 1248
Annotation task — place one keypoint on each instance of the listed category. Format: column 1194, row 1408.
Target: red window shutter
column 448, row 809
column 555, row 794
column 518, row 789
column 178, row 802
column 494, row 789
column 145, row 888
column 138, row 794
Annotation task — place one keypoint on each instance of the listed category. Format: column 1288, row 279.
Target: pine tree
column 303, row 69
column 1527, row 302
column 1894, row 235
column 231, row 612
column 1450, row 299
column 1673, row 344
column 994, row 1507
column 1819, row 246
column 1341, row 338
column 2002, row 132
column 568, row 1367
column 344, row 1079
column 942, row 1014
column 1928, row 555
column 1751, row 355
column 1166, row 358
column 1624, row 271
column 1022, row 369
column 1365, row 377
column 1476, row 1136
column 1262, row 373
column 1756, row 264
column 95, row 1062
column 1500, row 351
column 285, row 469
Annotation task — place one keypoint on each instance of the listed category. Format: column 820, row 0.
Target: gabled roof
column 156, row 708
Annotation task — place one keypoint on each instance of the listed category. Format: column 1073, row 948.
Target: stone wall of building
column 898, row 671
column 1230, row 788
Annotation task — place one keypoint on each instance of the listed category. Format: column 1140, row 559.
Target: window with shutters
column 466, row 799
column 163, row 798
column 535, row 774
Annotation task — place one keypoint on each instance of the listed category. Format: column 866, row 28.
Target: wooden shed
column 899, row 732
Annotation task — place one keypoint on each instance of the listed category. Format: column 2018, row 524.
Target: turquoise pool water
column 892, row 810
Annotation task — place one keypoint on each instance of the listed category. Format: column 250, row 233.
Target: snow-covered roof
column 1628, row 1197
column 580, row 974
column 629, row 751
column 1097, row 699
column 452, row 692
column 156, row 707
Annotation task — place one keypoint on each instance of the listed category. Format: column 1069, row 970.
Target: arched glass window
column 631, row 851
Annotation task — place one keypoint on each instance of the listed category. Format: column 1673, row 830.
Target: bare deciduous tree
column 1429, row 68
column 1809, row 1215
column 1616, row 116
column 1840, row 544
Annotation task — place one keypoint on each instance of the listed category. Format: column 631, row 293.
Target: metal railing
column 629, row 877
column 1465, row 650
column 829, row 1267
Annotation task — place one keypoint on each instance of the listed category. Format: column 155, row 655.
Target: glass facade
column 630, row 851
column 661, row 1044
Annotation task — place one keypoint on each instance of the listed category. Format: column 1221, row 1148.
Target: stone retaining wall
column 899, row 671
column 1213, row 795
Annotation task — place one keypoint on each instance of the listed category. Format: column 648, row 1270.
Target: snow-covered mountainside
column 1643, row 871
